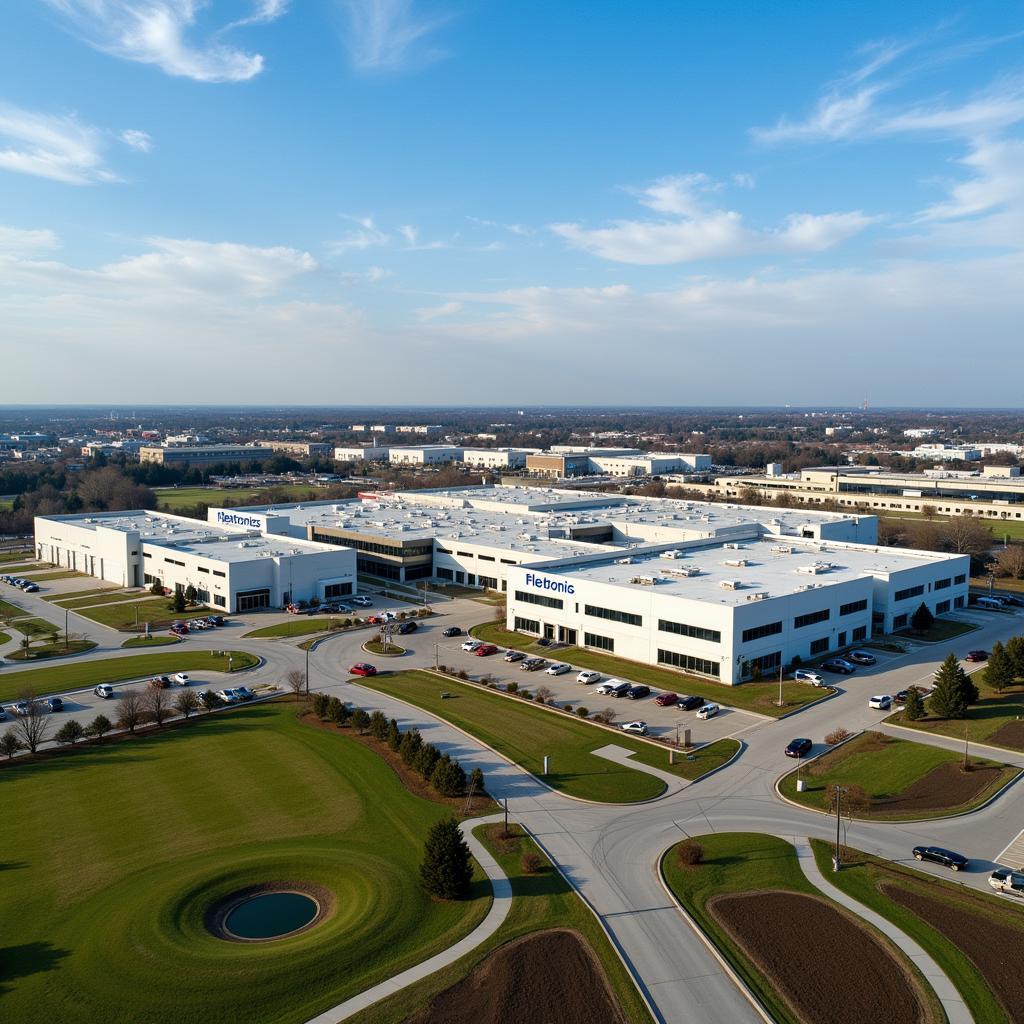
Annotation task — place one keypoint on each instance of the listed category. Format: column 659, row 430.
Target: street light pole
column 436, row 658
column 780, row 681
column 66, row 641
column 837, row 860
column 307, row 671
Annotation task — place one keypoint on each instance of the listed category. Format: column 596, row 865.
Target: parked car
column 104, row 690
column 638, row 692
column 471, row 645
column 485, row 650
column 362, row 668
column 880, row 702
column 361, row 601
column 861, row 658
column 840, row 665
column 244, row 693
column 588, row 677
column 54, row 704
column 31, row 588
column 799, row 747
column 3, row 714
column 533, row 664
column 708, row 711
column 160, row 682
column 620, row 690
column 640, row 728
column 559, row 668
column 667, row 699
column 688, row 703
column 1005, row 880
column 938, row 855
column 409, row 626
column 182, row 678
column 608, row 685
column 21, row 707
column 451, row 631
column 229, row 696
column 977, row 655
column 514, row 656
column 805, row 675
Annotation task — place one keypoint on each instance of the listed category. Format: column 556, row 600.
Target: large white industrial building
column 233, row 566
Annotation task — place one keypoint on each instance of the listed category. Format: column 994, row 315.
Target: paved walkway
column 502, row 888
column 952, row 1003
column 623, row 755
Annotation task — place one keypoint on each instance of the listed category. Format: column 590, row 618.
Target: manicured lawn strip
column 77, row 595
column 23, row 567
column 56, row 649
column 104, row 597
column 147, row 852
column 153, row 610
column 376, row 647
column 35, row 627
column 759, row 697
column 11, row 611
column 299, row 626
column 4, row 637
column 151, row 641
column 539, row 901
column 939, row 631
column 884, row 772
column 705, row 759
column 859, row 878
column 44, row 577
column 15, row 556
column 82, row 674
column 525, row 734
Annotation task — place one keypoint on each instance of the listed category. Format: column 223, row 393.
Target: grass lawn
column 376, row 647
column 4, row 637
column 1000, row 528
column 151, row 641
column 980, row 584
column 45, row 577
column 146, row 852
column 171, row 499
column 860, row 878
column 885, row 767
column 35, row 627
column 11, row 611
column 995, row 713
column 525, row 733
column 16, row 556
column 939, row 631
column 55, row 649
column 540, row 900
column 79, row 675
column 78, row 595
column 300, row 625
column 759, row 697
column 153, row 610
column 105, row 597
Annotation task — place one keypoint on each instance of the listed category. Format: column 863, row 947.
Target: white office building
column 424, row 455
column 362, row 452
column 497, row 458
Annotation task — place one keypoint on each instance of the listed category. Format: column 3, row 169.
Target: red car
column 361, row 668
column 484, row 649
column 977, row 655
column 666, row 699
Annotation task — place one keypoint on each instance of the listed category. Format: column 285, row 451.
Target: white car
column 472, row 645
column 707, row 711
column 608, row 685
column 588, row 676
column 805, row 675
column 229, row 696
column 181, row 678
column 637, row 727
column 362, row 602
column 558, row 669
column 882, row 702
column 104, row 690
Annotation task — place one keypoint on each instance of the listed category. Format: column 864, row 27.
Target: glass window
column 613, row 615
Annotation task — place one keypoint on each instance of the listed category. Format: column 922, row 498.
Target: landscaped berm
column 163, row 834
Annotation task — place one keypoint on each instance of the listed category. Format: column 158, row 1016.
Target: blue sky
column 364, row 200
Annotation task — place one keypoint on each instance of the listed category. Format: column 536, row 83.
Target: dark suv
column 408, row 627
column 799, row 747
column 638, row 692
column 690, row 703
column 937, row 855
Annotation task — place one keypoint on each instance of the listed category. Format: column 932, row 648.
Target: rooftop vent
column 628, row 560
column 733, row 546
column 782, row 549
column 736, row 563
column 644, row 581
column 815, row 568
column 731, row 584
column 673, row 553
column 683, row 571
column 761, row 595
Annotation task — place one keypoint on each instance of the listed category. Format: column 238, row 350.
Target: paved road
column 610, row 853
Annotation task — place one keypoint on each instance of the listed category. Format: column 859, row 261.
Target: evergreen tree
column 448, row 778
column 360, row 721
column 338, row 712
column 99, row 727
column 70, row 732
column 10, row 744
column 999, row 671
column 379, row 725
column 426, row 760
column 410, row 746
column 178, row 602
column 921, row 621
column 914, row 707
column 157, row 589
column 394, row 735
column 1015, row 652
column 191, row 594
column 948, row 699
column 321, row 706
column 446, row 870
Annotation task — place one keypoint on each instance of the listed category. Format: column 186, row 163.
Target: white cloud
column 157, row 32
column 428, row 313
column 24, row 242
column 704, row 233
column 137, row 139
column 387, row 35
column 60, row 148
column 514, row 229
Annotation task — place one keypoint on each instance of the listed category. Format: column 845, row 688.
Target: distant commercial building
column 302, row 449
column 921, row 433
column 564, row 461
column 422, row 428
column 497, row 458
column 359, row 452
column 947, row 452
column 201, row 455
column 424, row 455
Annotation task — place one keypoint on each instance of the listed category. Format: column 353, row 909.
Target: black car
column 638, row 692
column 452, row 631
column 55, row 704
column 408, row 627
column 690, row 703
column 937, row 855
column 534, row 664
column 839, row 665
column 799, row 747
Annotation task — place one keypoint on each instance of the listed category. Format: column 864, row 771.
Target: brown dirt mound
column 1009, row 735
column 549, row 977
column 944, row 786
column 995, row 948
column 785, row 934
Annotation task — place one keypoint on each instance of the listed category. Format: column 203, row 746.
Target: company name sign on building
column 546, row 583
column 235, row 519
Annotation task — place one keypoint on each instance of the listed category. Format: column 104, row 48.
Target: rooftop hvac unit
column 733, row 546
column 644, row 581
column 815, row 568
column 673, row 553
column 684, row 571
column 731, row 584
column 625, row 561
column 782, row 549
column 761, row 595
column 736, row 563
column 809, row 586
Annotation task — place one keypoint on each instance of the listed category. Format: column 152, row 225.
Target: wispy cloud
column 61, row 148
column 701, row 231
column 157, row 32
column 389, row 35
column 427, row 313
column 137, row 139
column 25, row 242
column 367, row 235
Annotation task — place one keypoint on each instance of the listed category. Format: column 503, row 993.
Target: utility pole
column 307, row 671
column 66, row 643
column 780, row 681
column 965, row 745
column 436, row 657
column 837, row 860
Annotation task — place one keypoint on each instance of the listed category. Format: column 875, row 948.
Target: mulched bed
column 995, row 948
column 943, row 787
column 1009, row 735
column 548, row 977
column 787, row 935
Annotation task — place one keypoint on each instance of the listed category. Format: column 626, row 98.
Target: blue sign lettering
column 235, row 519
column 545, row 583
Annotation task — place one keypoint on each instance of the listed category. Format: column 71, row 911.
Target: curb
column 706, row 939
column 380, row 654
column 22, row 662
column 920, row 732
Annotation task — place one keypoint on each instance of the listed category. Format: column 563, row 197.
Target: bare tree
column 32, row 727
column 296, row 680
column 156, row 703
column 606, row 715
column 186, row 703
column 130, row 710
column 543, row 694
column 966, row 535
column 1010, row 562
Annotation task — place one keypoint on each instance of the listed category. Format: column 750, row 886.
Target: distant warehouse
column 184, row 456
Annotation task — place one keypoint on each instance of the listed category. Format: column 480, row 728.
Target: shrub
column 567, row 707
column 410, row 746
column 70, row 732
column 921, row 621
column 837, row 736
column 338, row 711
column 512, row 687
column 914, row 707
column 442, row 668
column 530, row 862
column 582, row 711
column 689, row 853
column 379, row 726
column 463, row 674
column 448, row 778
column 321, row 703
column 394, row 736
column 99, row 727
column 360, row 721
column 10, row 744
column 426, row 760
column 606, row 716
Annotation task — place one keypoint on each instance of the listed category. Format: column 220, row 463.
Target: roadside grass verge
column 83, row 674
column 541, row 899
column 158, row 834
column 16, row 556
column 34, row 628
column 102, row 597
column 759, row 697
column 904, row 780
column 77, row 595
column 376, row 647
column 10, row 611
column 46, row 577
column 4, row 637
column 939, row 631
column 154, row 610
column 55, row 649
column 524, row 733
column 861, row 878
column 299, row 626
column 151, row 641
